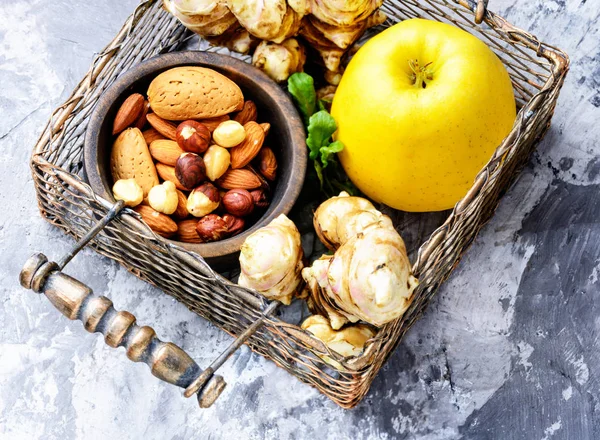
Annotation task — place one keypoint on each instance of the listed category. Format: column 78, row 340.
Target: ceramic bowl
column 286, row 137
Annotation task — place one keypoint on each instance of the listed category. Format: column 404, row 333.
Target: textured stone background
column 508, row 349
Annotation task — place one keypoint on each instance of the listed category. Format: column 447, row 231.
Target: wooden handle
column 480, row 10
column 75, row 300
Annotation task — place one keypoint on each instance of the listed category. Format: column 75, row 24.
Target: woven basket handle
column 75, row 300
column 480, row 10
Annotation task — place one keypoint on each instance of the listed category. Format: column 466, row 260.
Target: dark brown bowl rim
column 224, row 64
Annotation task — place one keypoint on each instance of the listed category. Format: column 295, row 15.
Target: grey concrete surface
column 507, row 350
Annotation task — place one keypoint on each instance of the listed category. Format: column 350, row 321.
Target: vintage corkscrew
column 166, row 360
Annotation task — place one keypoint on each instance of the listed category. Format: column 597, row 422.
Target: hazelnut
column 260, row 198
column 229, row 134
column 203, row 200
column 267, row 163
column 238, row 202
column 190, row 170
column 235, row 225
column 129, row 191
column 211, row 228
column 216, row 160
column 163, row 198
column 193, row 136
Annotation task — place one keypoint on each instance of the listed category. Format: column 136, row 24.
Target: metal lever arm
column 75, row 300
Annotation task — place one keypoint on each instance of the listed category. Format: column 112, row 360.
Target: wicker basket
column 537, row 71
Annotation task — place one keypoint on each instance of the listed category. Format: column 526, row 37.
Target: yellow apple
column 420, row 109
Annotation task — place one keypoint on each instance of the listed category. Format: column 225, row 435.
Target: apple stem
column 420, row 75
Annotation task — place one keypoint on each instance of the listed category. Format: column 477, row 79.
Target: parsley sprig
column 320, row 127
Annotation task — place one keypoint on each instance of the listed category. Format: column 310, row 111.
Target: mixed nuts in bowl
column 204, row 147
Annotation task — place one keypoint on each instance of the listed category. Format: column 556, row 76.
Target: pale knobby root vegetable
column 339, row 218
column 203, row 17
column 330, row 26
column 326, row 93
column 236, row 38
column 369, row 277
column 350, row 341
column 270, row 20
column 343, row 12
column 279, row 61
column 333, row 33
column 271, row 261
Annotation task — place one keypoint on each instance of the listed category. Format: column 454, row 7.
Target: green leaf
column 320, row 128
column 319, row 171
column 302, row 88
column 328, row 151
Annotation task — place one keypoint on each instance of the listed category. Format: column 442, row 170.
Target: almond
column 239, row 178
column 159, row 223
column 213, row 94
column 167, row 172
column 164, row 127
column 266, row 127
column 128, row 113
column 152, row 135
column 213, row 123
column 131, row 159
column 266, row 163
column 247, row 114
column 250, row 146
column 165, row 151
column 141, row 120
column 186, row 231
column 181, row 212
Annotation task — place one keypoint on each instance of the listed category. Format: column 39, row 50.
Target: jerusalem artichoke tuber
column 279, row 61
column 271, row 260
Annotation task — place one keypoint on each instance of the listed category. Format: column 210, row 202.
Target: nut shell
column 242, row 178
column 260, row 198
column 267, row 163
column 181, row 212
column 203, row 200
column 214, row 94
column 235, row 225
column 243, row 154
column 266, row 127
column 211, row 228
column 247, row 113
column 131, row 159
column 128, row 113
column 141, row 120
column 186, row 231
column 164, row 127
column 167, row 172
column 213, row 123
column 238, row 202
column 159, row 223
column 190, row 170
column 165, row 151
column 193, row 136
column 152, row 135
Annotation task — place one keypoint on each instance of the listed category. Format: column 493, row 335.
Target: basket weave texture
column 537, row 71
